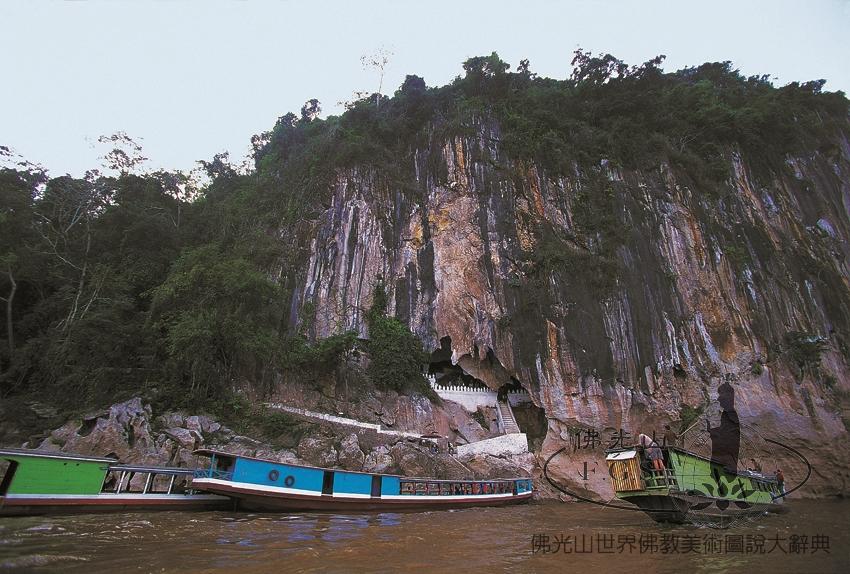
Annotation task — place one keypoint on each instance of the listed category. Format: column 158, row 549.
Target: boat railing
column 124, row 479
column 213, row 473
column 660, row 478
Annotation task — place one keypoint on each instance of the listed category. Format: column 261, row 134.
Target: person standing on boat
column 726, row 438
column 671, row 438
column 652, row 451
column 780, row 480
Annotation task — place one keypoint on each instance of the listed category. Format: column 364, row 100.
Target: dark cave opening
column 530, row 418
column 447, row 374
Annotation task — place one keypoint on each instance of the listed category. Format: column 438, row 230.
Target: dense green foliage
column 317, row 360
column 607, row 111
column 218, row 315
column 115, row 285
column 396, row 357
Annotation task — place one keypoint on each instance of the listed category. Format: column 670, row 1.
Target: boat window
column 224, row 464
column 160, row 483
column 129, row 484
column 328, row 482
column 110, row 483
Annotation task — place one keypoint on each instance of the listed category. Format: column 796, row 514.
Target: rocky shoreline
column 131, row 432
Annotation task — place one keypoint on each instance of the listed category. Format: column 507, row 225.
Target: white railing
column 472, row 397
column 341, row 420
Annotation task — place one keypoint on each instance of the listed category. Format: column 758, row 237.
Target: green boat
column 691, row 488
column 42, row 482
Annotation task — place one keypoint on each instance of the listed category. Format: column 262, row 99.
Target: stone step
column 508, row 420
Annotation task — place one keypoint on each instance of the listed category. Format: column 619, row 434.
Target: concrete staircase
column 506, row 418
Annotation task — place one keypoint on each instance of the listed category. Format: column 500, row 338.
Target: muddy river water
column 540, row 537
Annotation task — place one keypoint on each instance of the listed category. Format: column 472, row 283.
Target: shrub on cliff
column 395, row 354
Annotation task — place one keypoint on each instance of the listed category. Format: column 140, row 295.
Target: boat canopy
column 622, row 455
column 23, row 452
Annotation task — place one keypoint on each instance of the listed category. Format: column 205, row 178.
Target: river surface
column 540, row 537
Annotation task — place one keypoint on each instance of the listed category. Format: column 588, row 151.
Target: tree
column 219, row 315
column 259, row 142
column 377, row 61
column 125, row 157
column 598, row 69
column 486, row 75
column 412, row 86
column 310, row 110
column 219, row 167
column 64, row 217
column 18, row 189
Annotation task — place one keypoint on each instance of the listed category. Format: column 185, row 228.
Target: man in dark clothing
column 726, row 438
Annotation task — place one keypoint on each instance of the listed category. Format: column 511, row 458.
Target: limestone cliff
column 616, row 297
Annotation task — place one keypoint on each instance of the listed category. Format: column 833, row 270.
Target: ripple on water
column 45, row 528
column 476, row 540
column 37, row 560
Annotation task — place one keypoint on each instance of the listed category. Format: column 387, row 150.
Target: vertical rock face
column 614, row 297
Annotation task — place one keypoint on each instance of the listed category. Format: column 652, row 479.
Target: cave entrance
column 516, row 411
column 446, row 374
column 512, row 388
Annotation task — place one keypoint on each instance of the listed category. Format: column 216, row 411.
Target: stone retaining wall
column 514, row 443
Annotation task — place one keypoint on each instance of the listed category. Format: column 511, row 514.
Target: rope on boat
column 803, row 458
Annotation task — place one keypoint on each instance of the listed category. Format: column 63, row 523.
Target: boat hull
column 677, row 508
column 264, row 499
column 35, row 505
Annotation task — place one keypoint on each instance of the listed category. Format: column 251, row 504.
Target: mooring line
column 803, row 458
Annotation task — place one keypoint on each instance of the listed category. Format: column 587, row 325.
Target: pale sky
column 190, row 79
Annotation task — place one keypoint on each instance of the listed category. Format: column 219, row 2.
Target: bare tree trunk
column 73, row 312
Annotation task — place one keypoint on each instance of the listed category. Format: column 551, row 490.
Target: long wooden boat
column 691, row 487
column 265, row 485
column 42, row 482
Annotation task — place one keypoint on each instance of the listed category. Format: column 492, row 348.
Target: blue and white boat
column 264, row 485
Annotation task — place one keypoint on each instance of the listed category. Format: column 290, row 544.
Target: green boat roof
column 25, row 452
column 611, row 454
